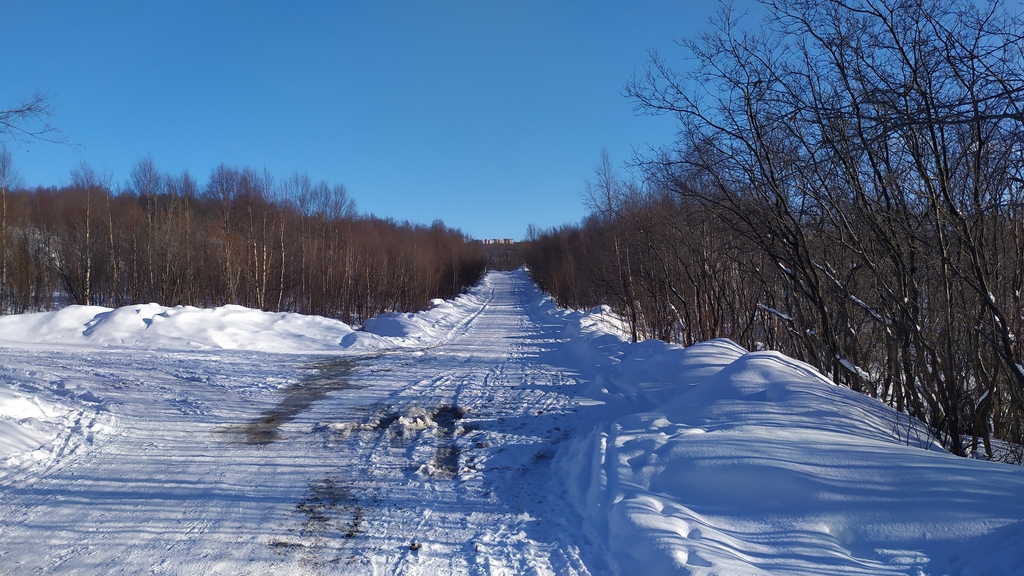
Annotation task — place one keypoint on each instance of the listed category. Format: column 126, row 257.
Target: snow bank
column 151, row 326
column 430, row 327
column 156, row 327
column 715, row 460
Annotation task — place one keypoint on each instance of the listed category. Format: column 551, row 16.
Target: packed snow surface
column 493, row 433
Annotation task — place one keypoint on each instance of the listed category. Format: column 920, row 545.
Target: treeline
column 847, row 187
column 242, row 238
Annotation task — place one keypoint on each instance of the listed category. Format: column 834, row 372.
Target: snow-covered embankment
column 715, row 460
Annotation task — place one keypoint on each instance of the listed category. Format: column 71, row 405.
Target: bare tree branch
column 30, row 120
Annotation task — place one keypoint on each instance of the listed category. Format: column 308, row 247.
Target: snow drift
column 715, row 460
column 156, row 327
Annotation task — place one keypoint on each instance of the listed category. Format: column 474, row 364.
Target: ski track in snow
column 493, row 434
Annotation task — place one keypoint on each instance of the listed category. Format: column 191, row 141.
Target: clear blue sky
column 485, row 114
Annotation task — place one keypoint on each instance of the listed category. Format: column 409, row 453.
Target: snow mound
column 151, row 326
column 438, row 323
column 23, row 426
column 399, row 325
column 714, row 460
column 31, row 430
column 156, row 327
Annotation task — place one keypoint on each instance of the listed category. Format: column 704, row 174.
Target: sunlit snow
column 493, row 433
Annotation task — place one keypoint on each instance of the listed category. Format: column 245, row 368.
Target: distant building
column 502, row 253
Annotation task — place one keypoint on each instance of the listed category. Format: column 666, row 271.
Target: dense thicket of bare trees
column 847, row 187
column 243, row 238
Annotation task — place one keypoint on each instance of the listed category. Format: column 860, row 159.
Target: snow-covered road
column 413, row 461
column 492, row 434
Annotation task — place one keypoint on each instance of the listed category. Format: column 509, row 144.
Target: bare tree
column 870, row 149
column 605, row 195
column 6, row 177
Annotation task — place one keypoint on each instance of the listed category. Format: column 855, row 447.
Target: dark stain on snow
column 446, row 455
column 446, row 416
column 330, row 507
column 329, row 514
column 323, row 378
column 446, row 461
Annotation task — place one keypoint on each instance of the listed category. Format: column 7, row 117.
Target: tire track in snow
column 469, row 523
